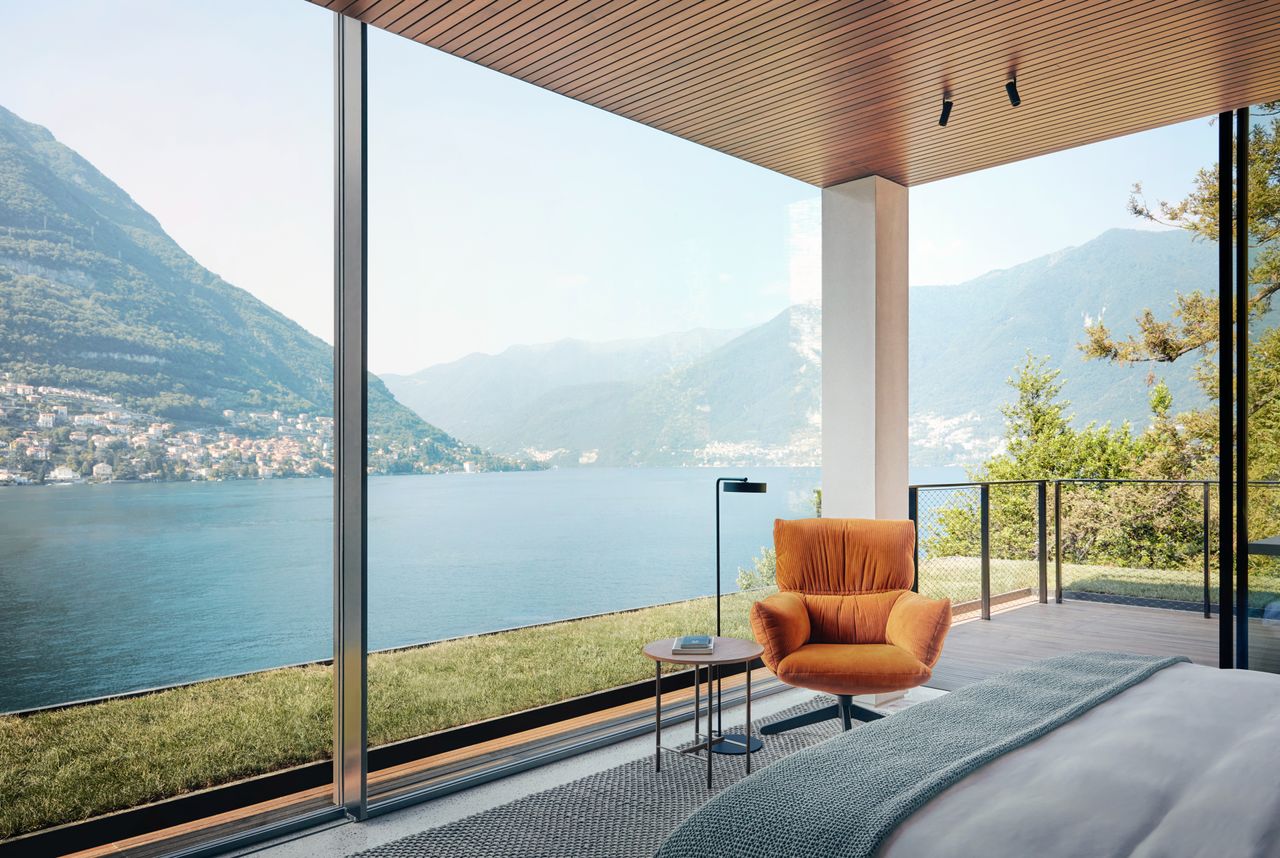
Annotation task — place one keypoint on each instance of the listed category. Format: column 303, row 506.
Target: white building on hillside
column 63, row 474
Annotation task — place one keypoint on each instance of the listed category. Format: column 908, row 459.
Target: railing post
column 1057, row 541
column 1205, row 538
column 1042, row 538
column 913, row 512
column 984, row 500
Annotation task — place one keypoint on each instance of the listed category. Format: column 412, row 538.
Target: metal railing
column 1131, row 541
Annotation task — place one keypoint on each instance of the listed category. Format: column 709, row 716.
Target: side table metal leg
column 748, row 730
column 697, row 705
column 719, row 703
column 710, row 704
column 657, row 719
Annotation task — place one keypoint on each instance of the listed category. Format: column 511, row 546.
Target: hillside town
column 60, row 435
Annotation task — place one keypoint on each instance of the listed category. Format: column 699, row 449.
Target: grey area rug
column 622, row 812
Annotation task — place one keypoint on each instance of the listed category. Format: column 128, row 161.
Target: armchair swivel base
column 844, row 709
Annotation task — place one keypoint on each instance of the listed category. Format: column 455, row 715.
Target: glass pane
column 1264, row 379
column 1030, row 362
column 582, row 331
column 165, row 403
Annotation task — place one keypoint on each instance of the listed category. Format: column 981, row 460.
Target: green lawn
column 958, row 578
column 76, row 763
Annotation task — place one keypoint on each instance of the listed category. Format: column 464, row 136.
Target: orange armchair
column 845, row 620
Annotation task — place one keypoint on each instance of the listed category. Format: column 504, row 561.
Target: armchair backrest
column 849, row 571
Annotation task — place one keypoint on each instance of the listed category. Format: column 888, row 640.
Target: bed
column 1171, row 759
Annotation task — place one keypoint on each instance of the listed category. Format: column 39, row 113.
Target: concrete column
column 864, row 349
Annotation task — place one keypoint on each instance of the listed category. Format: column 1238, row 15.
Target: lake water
column 110, row 588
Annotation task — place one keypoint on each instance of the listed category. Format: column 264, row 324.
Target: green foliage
column 1040, row 444
column 1120, row 524
column 763, row 571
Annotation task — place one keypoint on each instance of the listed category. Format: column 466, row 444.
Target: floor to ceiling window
column 576, row 325
column 1037, row 291
column 166, row 408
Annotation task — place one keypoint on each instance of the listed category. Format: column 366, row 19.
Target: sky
column 499, row 213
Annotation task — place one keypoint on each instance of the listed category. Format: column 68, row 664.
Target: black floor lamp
column 733, row 743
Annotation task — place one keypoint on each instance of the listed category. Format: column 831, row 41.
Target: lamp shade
column 744, row 486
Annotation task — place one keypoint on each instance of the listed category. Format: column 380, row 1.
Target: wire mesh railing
column 1130, row 541
column 981, row 544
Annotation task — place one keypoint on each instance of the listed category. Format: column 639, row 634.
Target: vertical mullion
column 1242, row 387
column 1226, row 437
column 350, row 636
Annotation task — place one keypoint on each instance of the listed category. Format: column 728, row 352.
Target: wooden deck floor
column 976, row 649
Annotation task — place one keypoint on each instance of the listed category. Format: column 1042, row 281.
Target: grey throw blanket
column 846, row 795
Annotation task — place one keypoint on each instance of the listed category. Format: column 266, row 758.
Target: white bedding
column 1186, row 763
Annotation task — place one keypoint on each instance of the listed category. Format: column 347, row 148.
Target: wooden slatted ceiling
column 831, row 91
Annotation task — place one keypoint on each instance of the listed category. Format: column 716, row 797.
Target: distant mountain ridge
column 695, row 398
column 755, row 398
column 95, row 295
column 478, row 395
column 966, row 339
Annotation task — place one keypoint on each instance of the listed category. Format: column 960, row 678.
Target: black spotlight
column 946, row 112
column 1012, row 88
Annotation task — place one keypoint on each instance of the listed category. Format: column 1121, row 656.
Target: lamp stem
column 718, row 558
column 718, row 482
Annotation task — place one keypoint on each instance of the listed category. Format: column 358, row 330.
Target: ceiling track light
column 1012, row 89
column 946, row 111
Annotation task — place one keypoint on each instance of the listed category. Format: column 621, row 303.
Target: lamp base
column 735, row 744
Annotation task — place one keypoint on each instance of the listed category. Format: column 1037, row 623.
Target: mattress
column 1186, row 763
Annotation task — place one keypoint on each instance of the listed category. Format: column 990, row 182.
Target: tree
column 1192, row 326
column 1040, row 444
column 1187, row 445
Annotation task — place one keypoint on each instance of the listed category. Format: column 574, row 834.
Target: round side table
column 724, row 651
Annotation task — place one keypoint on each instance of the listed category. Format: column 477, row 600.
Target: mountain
column 479, row 395
column 94, row 295
column 967, row 339
column 714, row 398
column 751, row 398
column 755, row 398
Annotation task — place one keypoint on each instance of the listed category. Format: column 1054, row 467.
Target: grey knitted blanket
column 846, row 795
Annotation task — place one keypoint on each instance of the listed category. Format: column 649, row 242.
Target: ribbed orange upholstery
column 844, row 555
column 845, row 620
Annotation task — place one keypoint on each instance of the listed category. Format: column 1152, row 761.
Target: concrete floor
column 345, row 838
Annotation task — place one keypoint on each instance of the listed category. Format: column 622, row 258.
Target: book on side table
column 692, row 645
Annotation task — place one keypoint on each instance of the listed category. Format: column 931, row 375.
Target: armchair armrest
column 780, row 624
column 919, row 625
